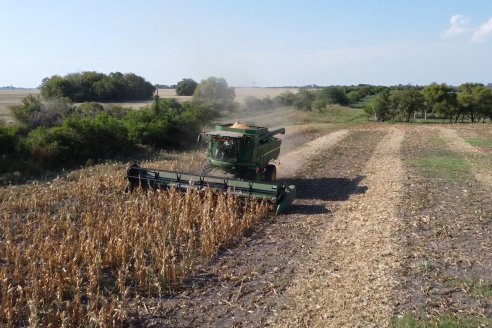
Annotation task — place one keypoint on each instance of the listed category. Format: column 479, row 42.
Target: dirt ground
column 375, row 239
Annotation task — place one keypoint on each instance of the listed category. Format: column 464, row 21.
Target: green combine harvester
column 239, row 162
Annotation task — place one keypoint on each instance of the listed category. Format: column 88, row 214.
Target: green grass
column 442, row 166
column 475, row 286
column 426, row 266
column 365, row 102
column 482, row 143
column 284, row 116
column 443, row 321
column 333, row 114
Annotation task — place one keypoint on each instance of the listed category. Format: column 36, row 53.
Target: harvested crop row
column 472, row 154
column 83, row 253
column 349, row 279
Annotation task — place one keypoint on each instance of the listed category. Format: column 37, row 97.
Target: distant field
column 242, row 93
column 12, row 97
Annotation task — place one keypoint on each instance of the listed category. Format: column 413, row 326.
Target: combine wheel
column 271, row 173
column 206, row 168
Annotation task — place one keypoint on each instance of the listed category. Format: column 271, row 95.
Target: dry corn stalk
column 79, row 252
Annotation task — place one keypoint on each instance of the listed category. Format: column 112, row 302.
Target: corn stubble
column 84, row 253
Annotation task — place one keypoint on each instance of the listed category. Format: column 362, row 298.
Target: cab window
column 225, row 149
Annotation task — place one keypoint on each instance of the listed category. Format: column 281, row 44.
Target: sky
column 250, row 43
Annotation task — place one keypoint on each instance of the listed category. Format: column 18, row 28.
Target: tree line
column 468, row 102
column 319, row 98
column 94, row 86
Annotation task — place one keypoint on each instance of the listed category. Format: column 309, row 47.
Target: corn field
column 84, row 253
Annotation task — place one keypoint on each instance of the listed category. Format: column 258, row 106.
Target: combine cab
column 239, row 161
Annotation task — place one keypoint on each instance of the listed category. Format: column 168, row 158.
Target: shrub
column 169, row 124
column 32, row 112
column 216, row 93
column 97, row 138
column 23, row 111
column 42, row 146
column 186, row 87
column 8, row 139
column 258, row 104
column 89, row 109
column 286, row 98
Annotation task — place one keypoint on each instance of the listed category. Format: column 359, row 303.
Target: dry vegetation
column 12, row 97
column 83, row 252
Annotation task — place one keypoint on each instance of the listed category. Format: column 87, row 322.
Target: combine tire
column 271, row 173
column 206, row 168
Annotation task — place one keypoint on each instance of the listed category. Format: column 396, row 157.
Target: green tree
column 354, row 96
column 286, row 98
column 137, row 88
column 94, row 86
column 408, row 102
column 216, row 93
column 304, row 99
column 332, row 95
column 55, row 87
column 485, row 103
column 440, row 99
column 186, row 87
column 382, row 105
column 470, row 100
column 106, row 90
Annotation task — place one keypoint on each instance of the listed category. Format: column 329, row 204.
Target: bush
column 33, row 113
column 258, row 104
column 43, row 147
column 333, row 95
column 303, row 100
column 216, row 93
column 93, row 132
column 286, row 98
column 23, row 111
column 89, row 109
column 186, row 87
column 97, row 138
column 8, row 139
column 168, row 125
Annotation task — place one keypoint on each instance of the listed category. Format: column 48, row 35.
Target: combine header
column 238, row 162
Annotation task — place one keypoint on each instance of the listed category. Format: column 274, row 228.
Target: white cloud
column 482, row 32
column 459, row 26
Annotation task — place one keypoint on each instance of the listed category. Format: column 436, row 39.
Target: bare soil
column 447, row 267
column 370, row 240
column 350, row 275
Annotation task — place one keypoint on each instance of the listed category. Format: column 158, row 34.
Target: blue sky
column 268, row 43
